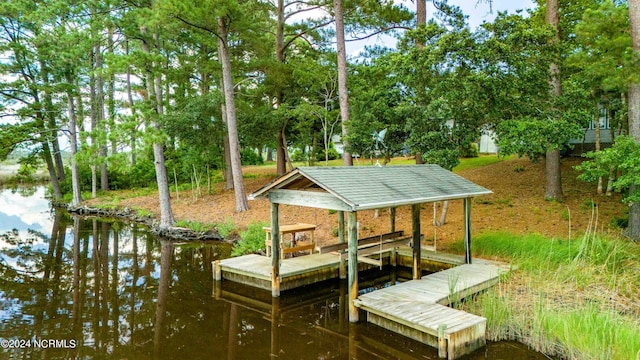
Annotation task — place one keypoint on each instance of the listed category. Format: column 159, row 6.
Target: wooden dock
column 255, row 270
column 417, row 308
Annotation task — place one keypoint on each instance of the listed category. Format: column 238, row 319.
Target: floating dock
column 418, row 308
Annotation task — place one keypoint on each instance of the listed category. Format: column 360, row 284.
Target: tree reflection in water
column 119, row 293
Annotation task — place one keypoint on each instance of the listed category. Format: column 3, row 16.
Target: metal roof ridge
column 323, row 186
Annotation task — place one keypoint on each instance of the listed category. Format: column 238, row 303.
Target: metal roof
column 373, row 187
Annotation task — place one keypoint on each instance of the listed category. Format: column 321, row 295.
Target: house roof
column 352, row 188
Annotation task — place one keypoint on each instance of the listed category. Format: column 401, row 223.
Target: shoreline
column 126, row 214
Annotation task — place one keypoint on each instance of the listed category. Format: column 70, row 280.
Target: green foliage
column 620, row 222
column 623, row 156
column 318, row 155
column 438, row 146
column 533, row 137
column 226, row 228
column 298, row 155
column 143, row 212
column 193, row 225
column 605, row 57
column 28, row 167
column 250, row 157
column 251, row 240
column 469, row 150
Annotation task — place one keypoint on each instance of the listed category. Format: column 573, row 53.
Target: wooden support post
column 217, row 271
column 353, row 342
column 217, row 290
column 275, row 250
column 393, row 257
column 442, row 342
column 392, row 219
column 417, row 256
column 467, row 230
column 343, row 260
column 275, row 327
column 353, row 265
column 341, row 227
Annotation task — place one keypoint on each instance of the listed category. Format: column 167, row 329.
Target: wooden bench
column 371, row 245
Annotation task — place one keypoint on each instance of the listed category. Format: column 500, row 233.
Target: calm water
column 94, row 289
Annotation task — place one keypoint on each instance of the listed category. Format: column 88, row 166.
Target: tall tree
column 230, row 107
column 152, row 80
column 343, row 92
column 634, row 114
column 26, row 96
column 553, row 178
column 421, row 20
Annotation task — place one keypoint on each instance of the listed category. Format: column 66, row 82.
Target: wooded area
column 172, row 91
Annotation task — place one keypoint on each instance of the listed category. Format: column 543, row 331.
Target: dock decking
column 255, row 270
column 417, row 308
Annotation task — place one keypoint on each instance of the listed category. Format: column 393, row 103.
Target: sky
column 477, row 14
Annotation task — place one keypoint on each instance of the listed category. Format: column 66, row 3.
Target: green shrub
column 193, row 225
column 251, row 240
column 298, row 155
column 143, row 174
column 250, row 157
column 621, row 222
column 332, row 153
column 469, row 151
column 226, row 228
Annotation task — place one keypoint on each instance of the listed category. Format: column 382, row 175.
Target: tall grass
column 576, row 299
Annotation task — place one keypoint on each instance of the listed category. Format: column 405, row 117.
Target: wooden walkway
column 417, row 308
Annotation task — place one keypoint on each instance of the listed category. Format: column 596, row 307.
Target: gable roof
column 353, row 188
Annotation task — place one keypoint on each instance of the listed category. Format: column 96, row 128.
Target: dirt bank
column 516, row 205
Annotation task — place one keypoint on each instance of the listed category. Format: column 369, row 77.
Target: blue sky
column 477, row 12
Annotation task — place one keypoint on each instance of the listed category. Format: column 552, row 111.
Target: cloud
column 32, row 211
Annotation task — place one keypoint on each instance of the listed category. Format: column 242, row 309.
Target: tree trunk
column 421, row 20
column 111, row 101
column 73, row 139
column 553, row 183
column 598, row 138
column 281, row 158
column 51, row 122
column 228, row 171
column 166, row 214
column 94, row 122
column 232, row 129
column 281, row 147
column 100, row 121
column 612, row 169
column 443, row 214
column 46, row 154
column 343, row 91
column 633, row 231
column 132, row 141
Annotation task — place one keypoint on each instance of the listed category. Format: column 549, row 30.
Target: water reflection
column 107, row 290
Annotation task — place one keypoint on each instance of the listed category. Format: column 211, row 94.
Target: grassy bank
column 575, row 299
